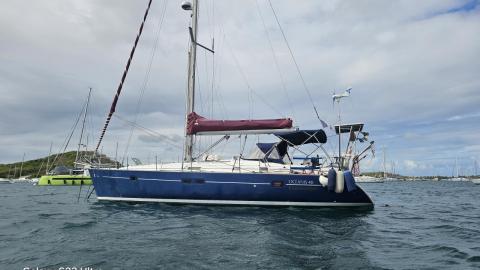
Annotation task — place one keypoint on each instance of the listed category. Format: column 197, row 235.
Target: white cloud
column 407, row 62
column 410, row 164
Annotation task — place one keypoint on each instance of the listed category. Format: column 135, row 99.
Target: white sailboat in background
column 21, row 178
column 475, row 179
column 5, row 181
column 373, row 179
column 457, row 177
column 368, row 179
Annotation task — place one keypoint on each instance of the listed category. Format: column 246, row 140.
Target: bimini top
column 197, row 123
column 300, row 137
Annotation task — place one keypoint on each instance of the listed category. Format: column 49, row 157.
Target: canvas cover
column 197, row 123
column 271, row 152
column 300, row 137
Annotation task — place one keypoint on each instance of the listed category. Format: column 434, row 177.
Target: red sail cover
column 197, row 123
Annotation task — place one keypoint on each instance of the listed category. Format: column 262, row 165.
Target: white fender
column 340, row 185
column 323, row 180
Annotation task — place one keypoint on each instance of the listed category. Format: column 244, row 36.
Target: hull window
column 277, row 184
column 193, row 181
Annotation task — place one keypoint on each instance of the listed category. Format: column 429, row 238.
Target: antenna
column 337, row 98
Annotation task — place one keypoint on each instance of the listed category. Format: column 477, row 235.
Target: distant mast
column 48, row 158
column 77, row 156
column 456, row 167
column 188, row 148
column 384, row 163
column 21, row 166
column 475, row 166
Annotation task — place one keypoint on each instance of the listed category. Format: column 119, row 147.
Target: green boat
column 64, row 180
column 63, row 176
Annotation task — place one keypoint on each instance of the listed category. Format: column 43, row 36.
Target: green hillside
column 37, row 167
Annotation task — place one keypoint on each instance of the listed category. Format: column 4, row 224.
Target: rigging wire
column 61, row 153
column 146, row 77
column 77, row 157
column 216, row 91
column 277, row 66
column 125, row 72
column 150, row 132
column 295, row 62
column 213, row 55
column 216, row 83
column 237, row 64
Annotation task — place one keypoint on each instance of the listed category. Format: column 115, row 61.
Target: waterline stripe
column 231, row 202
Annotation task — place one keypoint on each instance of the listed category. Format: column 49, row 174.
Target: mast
column 384, row 163
column 21, row 166
column 475, row 166
column 456, row 167
column 191, row 76
column 83, row 126
column 48, row 158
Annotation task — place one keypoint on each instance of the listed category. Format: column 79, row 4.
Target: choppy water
column 426, row 225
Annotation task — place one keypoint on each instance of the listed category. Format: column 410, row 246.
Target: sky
column 412, row 65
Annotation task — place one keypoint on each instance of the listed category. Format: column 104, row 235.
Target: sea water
column 414, row 225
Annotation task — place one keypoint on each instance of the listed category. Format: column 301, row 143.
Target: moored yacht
column 267, row 177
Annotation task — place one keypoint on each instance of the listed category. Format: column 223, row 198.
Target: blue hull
column 221, row 188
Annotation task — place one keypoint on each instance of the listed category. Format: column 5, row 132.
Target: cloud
column 410, row 164
column 414, row 82
column 465, row 116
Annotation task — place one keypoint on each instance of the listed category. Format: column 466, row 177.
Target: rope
column 150, row 132
column 277, row 66
column 119, row 89
column 295, row 62
column 59, row 155
column 251, row 91
column 146, row 78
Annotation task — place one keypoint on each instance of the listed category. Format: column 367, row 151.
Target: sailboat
column 62, row 175
column 21, row 178
column 474, row 177
column 5, row 181
column 263, row 178
column 457, row 176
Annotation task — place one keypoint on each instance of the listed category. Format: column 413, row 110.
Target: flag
column 324, row 124
column 352, row 135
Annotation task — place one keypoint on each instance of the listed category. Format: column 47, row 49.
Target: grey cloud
column 408, row 63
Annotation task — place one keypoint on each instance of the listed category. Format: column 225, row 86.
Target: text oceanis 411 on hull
column 269, row 176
